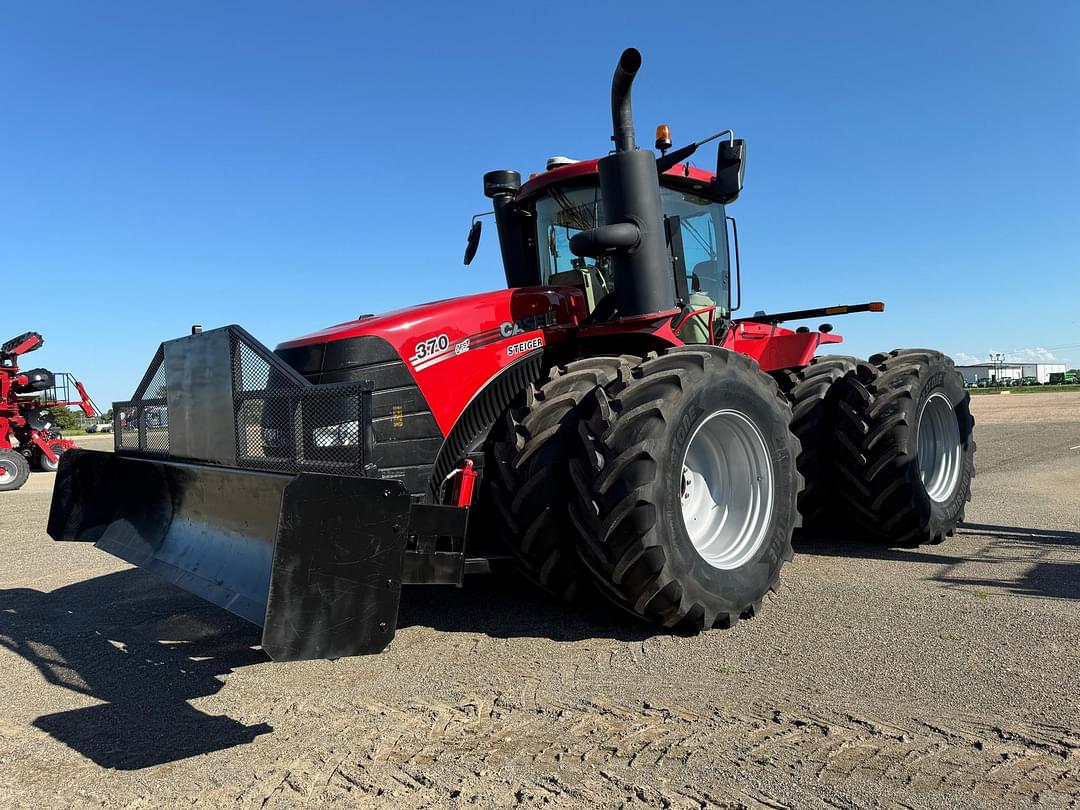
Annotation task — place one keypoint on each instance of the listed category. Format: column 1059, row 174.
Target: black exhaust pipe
column 633, row 231
column 622, row 113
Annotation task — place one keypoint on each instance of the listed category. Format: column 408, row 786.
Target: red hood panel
column 454, row 347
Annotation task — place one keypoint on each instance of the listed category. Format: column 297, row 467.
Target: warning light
column 663, row 137
column 877, row 306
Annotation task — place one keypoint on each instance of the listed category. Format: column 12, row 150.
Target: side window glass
column 558, row 237
column 699, row 240
column 706, row 281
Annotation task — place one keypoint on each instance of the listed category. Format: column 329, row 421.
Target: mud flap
column 315, row 559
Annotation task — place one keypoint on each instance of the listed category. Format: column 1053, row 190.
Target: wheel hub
column 940, row 450
column 727, row 489
column 8, row 471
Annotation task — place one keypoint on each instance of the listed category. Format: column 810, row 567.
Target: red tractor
column 28, row 437
column 605, row 422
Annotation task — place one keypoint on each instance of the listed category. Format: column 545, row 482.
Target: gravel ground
column 939, row 677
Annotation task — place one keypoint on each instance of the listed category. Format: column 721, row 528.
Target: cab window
column 565, row 211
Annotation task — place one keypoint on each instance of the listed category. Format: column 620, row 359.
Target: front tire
column 14, row 470
column 686, row 488
column 527, row 482
column 905, row 447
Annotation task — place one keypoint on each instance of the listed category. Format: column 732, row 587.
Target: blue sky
column 286, row 166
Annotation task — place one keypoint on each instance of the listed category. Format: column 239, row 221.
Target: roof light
column 663, row 138
column 558, row 161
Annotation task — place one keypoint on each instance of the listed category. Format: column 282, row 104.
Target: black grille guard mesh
column 221, row 397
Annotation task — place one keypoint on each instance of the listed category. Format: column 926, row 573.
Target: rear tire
column 528, row 485
column 812, row 392
column 905, row 447
column 648, row 446
column 14, row 470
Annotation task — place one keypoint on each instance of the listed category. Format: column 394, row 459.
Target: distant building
column 997, row 372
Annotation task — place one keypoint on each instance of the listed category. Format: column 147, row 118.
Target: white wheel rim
column 939, row 447
column 8, row 471
column 726, row 489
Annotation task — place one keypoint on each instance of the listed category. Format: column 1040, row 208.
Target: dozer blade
column 315, row 559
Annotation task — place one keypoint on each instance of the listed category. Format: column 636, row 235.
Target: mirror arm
column 671, row 159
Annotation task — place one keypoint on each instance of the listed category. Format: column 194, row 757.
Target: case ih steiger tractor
column 28, row 437
column 604, row 421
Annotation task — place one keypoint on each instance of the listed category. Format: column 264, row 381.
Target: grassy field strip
column 1027, row 389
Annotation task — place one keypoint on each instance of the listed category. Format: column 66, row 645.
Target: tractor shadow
column 143, row 650
column 504, row 605
column 1042, row 563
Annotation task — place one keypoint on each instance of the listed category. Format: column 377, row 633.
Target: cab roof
column 681, row 175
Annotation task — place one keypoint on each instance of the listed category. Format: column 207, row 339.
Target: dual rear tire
column 904, row 449
column 813, row 393
column 887, row 445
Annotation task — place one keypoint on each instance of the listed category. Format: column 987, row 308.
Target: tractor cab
column 539, row 220
column 561, row 212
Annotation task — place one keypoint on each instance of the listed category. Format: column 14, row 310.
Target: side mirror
column 473, row 242
column 730, row 167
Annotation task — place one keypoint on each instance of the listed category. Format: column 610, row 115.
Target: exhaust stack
column 622, row 113
column 633, row 231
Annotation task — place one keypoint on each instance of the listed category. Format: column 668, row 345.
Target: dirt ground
column 945, row 676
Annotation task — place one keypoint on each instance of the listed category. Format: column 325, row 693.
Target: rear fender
column 775, row 347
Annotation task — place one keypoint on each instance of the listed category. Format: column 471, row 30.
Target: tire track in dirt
column 492, row 750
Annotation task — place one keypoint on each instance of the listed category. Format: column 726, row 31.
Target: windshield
column 566, row 211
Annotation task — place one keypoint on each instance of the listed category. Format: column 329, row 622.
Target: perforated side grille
column 141, row 426
column 316, row 429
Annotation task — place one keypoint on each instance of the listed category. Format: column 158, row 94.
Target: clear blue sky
column 291, row 165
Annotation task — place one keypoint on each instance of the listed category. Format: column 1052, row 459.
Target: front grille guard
column 224, row 398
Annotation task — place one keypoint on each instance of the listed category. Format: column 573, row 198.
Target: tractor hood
column 450, row 349
column 510, row 311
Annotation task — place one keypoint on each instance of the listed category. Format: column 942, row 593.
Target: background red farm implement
column 29, row 436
